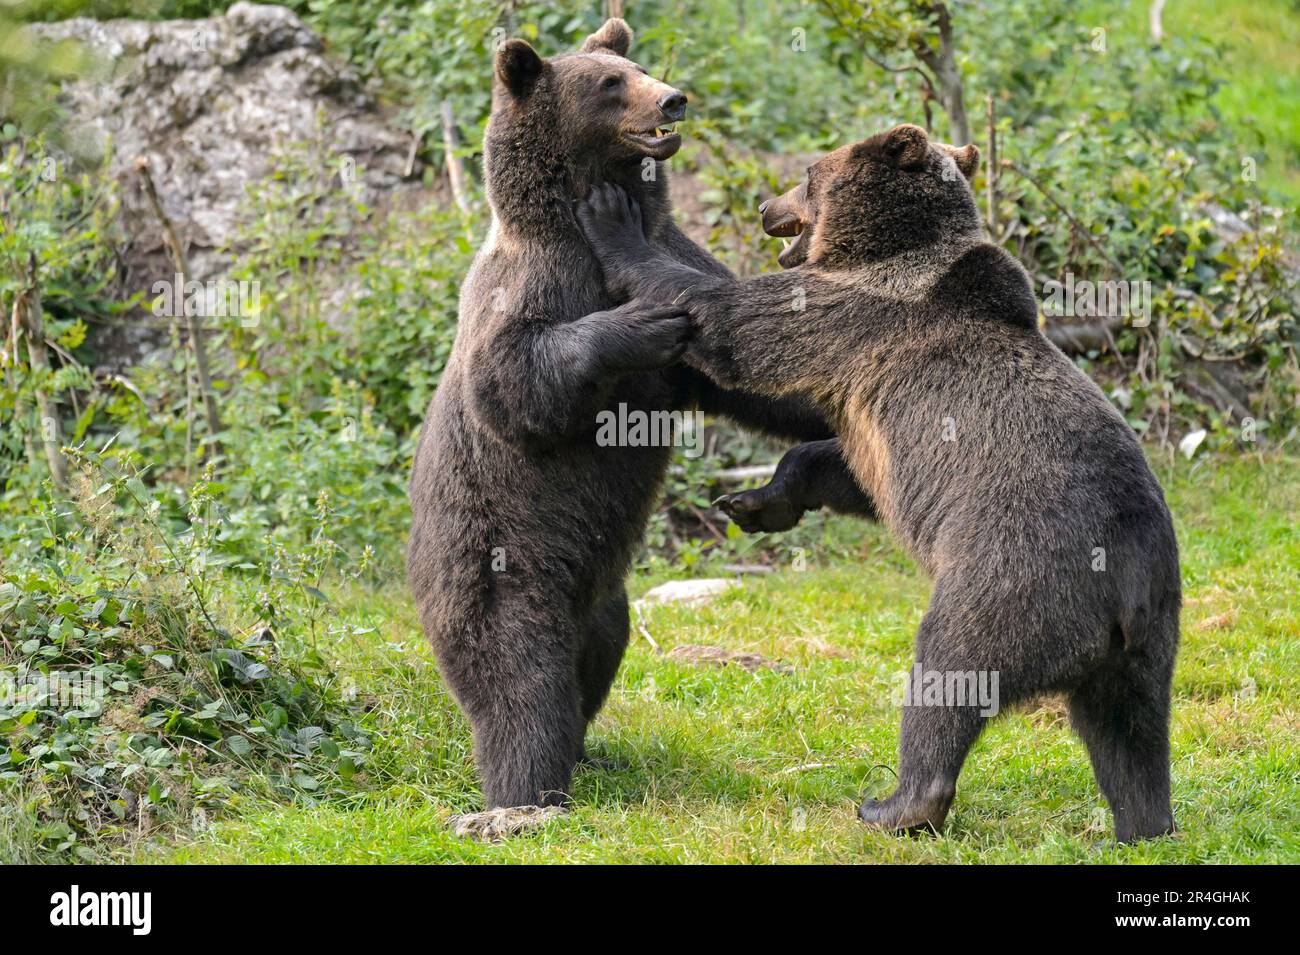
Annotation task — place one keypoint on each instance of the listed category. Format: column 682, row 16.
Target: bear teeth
column 665, row 130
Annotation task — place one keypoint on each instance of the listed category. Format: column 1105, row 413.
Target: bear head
column 891, row 193
column 595, row 106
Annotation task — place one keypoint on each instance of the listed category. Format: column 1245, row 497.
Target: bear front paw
column 898, row 813
column 641, row 336
column 755, row 511
column 611, row 221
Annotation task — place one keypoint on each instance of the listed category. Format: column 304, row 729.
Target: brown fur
column 990, row 456
column 523, row 527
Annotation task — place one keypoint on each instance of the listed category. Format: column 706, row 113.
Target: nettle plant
column 148, row 678
column 430, row 57
column 350, row 294
column 56, row 274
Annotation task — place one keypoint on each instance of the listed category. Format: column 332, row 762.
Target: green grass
column 1260, row 68
column 1263, row 73
column 727, row 766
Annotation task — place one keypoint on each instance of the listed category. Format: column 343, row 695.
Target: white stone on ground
column 692, row 593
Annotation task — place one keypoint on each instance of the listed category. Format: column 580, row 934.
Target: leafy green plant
column 56, row 235
column 125, row 703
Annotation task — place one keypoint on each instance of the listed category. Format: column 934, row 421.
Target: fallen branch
column 748, row 473
column 704, row 519
column 643, row 629
column 742, row 569
column 1078, row 339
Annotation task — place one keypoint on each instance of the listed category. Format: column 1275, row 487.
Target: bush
column 148, row 678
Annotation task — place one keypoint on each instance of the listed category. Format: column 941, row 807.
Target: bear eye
column 610, row 82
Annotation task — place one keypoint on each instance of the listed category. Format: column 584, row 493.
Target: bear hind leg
column 1122, row 714
column 527, row 747
column 602, row 652
column 932, row 748
column 515, row 679
column 938, row 731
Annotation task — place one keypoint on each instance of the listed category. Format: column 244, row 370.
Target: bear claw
column 494, row 825
column 911, row 818
column 752, row 513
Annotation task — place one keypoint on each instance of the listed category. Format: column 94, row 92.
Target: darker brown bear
column 523, row 525
column 998, row 464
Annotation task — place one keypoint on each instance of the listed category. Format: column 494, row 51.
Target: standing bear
column 524, row 525
column 996, row 462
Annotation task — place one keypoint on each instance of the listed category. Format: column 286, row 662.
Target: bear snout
column 673, row 105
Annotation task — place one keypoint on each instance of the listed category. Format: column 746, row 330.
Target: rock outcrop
column 211, row 103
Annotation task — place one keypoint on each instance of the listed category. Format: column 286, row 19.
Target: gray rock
column 210, row 103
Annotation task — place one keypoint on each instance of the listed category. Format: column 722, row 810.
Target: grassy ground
column 728, row 766
column 1261, row 44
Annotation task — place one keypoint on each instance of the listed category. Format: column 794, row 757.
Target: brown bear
column 524, row 524
column 995, row 461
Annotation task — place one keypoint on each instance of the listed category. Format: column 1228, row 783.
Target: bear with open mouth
column 524, row 523
column 997, row 464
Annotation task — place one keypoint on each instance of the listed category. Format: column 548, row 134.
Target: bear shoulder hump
column 988, row 282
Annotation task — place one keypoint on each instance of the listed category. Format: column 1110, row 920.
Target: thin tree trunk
column 191, row 321
column 950, row 92
column 28, row 317
column 455, row 165
column 943, row 64
column 1155, row 15
column 991, row 170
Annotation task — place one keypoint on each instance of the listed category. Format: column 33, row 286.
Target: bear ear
column 907, row 145
column 518, row 67
column 615, row 37
column 966, row 157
